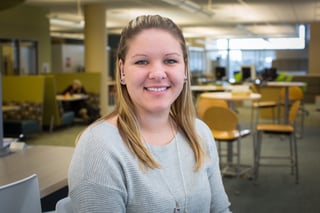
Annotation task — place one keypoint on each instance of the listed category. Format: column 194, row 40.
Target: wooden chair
column 204, row 103
column 258, row 105
column 295, row 93
column 283, row 129
column 224, row 124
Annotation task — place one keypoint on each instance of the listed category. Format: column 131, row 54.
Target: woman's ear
column 122, row 74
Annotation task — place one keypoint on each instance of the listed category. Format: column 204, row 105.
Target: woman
column 150, row 154
column 79, row 107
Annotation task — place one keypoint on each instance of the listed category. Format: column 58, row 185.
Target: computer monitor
column 273, row 73
column 248, row 72
column 220, row 73
column 270, row 74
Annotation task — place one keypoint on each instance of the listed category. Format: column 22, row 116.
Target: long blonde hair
column 182, row 110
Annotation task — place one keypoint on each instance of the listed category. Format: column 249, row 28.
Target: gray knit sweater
column 104, row 176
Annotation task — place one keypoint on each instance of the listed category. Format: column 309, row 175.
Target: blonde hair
column 182, row 110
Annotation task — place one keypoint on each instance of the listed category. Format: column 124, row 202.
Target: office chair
column 22, row 196
column 224, row 124
column 64, row 206
column 204, row 103
column 283, row 129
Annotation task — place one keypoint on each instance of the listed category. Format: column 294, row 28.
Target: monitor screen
column 269, row 74
column 273, row 73
column 220, row 73
column 248, row 72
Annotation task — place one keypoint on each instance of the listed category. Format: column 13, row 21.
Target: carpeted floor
column 276, row 191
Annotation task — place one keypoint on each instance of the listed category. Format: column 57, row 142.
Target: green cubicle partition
column 90, row 80
column 26, row 93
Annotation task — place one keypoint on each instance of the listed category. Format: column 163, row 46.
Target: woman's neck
column 157, row 130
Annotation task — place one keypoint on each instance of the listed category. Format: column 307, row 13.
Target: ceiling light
column 67, row 23
column 190, row 6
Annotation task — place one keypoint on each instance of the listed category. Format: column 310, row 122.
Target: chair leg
column 258, row 142
column 252, row 116
column 238, row 170
column 292, row 161
column 219, row 153
column 295, row 157
column 302, row 113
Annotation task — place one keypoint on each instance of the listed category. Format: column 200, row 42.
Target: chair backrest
column 221, row 119
column 294, row 111
column 254, row 88
column 64, row 206
column 204, row 103
column 22, row 196
column 295, row 93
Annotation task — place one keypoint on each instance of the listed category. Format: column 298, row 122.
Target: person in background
column 79, row 107
column 150, row 154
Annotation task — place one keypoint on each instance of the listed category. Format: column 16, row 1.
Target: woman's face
column 154, row 70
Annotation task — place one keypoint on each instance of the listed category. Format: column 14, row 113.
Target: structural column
column 95, row 41
column 314, row 49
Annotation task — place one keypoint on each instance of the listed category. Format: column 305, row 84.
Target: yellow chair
column 295, row 93
column 204, row 103
column 283, row 129
column 258, row 105
column 224, row 124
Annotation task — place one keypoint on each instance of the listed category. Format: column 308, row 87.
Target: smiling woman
column 163, row 159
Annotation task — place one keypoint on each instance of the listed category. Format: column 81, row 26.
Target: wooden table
column 74, row 97
column 199, row 89
column 50, row 163
column 207, row 88
column 230, row 98
column 286, row 85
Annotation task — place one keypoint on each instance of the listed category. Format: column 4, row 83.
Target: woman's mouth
column 156, row 89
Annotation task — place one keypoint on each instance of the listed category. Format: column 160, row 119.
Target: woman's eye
column 141, row 62
column 170, row 61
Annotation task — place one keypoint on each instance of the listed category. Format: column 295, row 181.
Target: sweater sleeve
column 90, row 189
column 219, row 199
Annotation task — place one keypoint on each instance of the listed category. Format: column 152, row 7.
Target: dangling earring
column 122, row 81
column 185, row 79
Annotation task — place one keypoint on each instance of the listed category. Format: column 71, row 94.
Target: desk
column 50, row 163
column 286, row 85
column 74, row 97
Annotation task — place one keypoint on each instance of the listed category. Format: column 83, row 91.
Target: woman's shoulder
column 202, row 127
column 100, row 133
column 205, row 134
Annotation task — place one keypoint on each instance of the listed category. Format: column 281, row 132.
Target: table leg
column 230, row 154
column 286, row 105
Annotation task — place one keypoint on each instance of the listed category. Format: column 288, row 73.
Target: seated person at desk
column 79, row 107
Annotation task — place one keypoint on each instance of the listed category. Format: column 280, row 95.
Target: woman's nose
column 157, row 72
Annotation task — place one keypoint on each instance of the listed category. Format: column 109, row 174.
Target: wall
column 314, row 49
column 67, row 58
column 293, row 61
column 25, row 22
